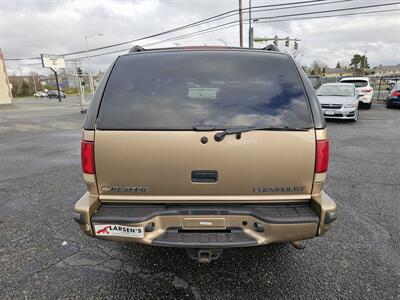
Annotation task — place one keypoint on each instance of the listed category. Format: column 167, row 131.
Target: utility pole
column 34, row 83
column 250, row 28
column 90, row 70
column 79, row 74
column 88, row 60
column 58, row 85
column 240, row 23
column 365, row 61
column 77, row 78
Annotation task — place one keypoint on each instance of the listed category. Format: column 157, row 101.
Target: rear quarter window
column 180, row 89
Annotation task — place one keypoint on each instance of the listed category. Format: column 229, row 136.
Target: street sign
column 53, row 61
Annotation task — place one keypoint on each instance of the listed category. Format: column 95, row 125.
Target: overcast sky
column 28, row 28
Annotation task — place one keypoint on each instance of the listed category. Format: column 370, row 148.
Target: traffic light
column 79, row 71
column 276, row 40
column 287, row 41
column 296, row 45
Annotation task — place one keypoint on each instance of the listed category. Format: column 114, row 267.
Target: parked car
column 40, row 94
column 54, row 94
column 363, row 88
column 392, row 81
column 393, row 98
column 339, row 101
column 189, row 153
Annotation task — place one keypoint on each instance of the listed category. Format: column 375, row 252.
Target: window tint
column 177, row 90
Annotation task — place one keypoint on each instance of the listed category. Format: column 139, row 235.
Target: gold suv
column 205, row 148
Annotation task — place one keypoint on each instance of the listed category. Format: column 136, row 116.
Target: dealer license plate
column 118, row 230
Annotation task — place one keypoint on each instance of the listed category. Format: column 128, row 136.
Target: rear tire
column 388, row 105
column 368, row 105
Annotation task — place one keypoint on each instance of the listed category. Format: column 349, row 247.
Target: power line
column 208, row 30
column 190, row 25
column 332, row 10
column 331, row 16
column 255, row 10
column 233, row 23
column 268, row 20
column 205, row 31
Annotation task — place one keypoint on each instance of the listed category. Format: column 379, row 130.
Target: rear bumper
column 393, row 101
column 209, row 226
column 365, row 98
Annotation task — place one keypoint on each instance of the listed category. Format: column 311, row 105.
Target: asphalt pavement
column 43, row 255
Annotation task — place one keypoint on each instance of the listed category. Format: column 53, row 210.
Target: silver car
column 339, row 101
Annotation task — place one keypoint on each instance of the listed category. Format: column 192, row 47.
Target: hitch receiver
column 204, row 256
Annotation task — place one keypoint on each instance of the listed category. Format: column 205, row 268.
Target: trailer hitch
column 204, row 256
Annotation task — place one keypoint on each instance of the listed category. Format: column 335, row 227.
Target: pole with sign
column 82, row 90
column 54, row 62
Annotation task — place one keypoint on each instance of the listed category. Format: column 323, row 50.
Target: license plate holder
column 329, row 112
column 118, row 230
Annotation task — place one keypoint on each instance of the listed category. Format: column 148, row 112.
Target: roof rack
column 271, row 47
column 136, row 48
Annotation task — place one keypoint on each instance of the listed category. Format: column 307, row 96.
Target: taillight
column 322, row 156
column 87, row 156
column 395, row 93
column 366, row 90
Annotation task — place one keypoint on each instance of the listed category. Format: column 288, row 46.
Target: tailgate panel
column 158, row 165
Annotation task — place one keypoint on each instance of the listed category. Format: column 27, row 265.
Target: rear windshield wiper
column 219, row 136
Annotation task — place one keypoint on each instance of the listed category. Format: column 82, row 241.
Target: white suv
column 363, row 88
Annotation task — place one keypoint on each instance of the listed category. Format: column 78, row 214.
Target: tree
column 344, row 64
column 338, row 65
column 318, row 67
column 359, row 63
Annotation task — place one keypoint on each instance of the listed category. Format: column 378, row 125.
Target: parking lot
column 44, row 255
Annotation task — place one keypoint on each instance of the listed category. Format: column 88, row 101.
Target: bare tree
column 297, row 54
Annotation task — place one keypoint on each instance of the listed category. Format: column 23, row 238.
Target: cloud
column 28, row 28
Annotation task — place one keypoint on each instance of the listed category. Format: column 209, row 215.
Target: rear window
column 357, row 83
column 178, row 90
